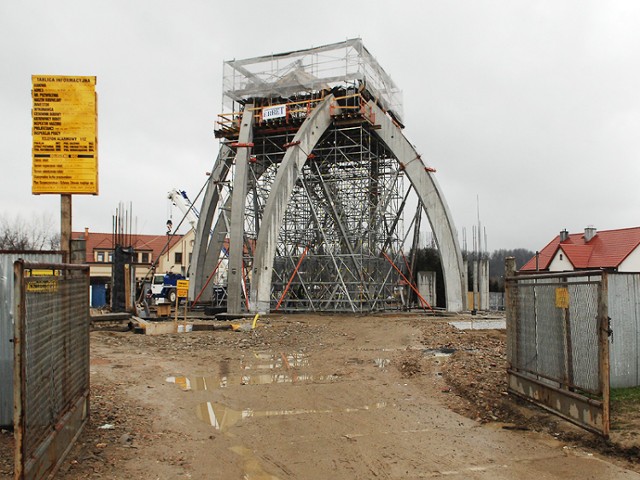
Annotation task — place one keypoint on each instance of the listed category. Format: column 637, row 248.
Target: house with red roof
column 614, row 250
column 167, row 253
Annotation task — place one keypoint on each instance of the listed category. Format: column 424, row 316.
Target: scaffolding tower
column 308, row 194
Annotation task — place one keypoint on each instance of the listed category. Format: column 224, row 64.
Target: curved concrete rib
column 303, row 143
column 435, row 206
column 205, row 255
column 422, row 180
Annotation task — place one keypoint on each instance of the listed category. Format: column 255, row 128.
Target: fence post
column 18, row 367
column 511, row 307
column 603, row 344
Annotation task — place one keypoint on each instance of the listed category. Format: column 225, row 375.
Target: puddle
column 272, row 361
column 439, row 352
column 382, row 363
column 211, row 383
column 222, row 417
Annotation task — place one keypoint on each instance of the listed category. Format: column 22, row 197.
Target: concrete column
column 427, row 287
column 238, row 198
column 483, row 268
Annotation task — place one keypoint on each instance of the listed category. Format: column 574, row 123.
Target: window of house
column 560, row 256
column 144, row 257
column 110, row 257
column 177, row 257
column 100, row 257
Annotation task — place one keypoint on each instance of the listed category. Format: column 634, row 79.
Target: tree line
column 37, row 233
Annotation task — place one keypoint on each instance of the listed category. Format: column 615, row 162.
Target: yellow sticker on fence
column 43, row 286
column 562, row 297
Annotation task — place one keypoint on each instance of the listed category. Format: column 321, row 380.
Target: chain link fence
column 51, row 367
column 557, row 347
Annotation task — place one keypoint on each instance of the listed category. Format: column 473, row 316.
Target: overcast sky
column 531, row 106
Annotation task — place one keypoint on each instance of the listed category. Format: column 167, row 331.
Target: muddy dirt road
column 306, row 397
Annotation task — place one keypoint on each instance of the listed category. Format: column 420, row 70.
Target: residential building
column 615, row 250
column 167, row 253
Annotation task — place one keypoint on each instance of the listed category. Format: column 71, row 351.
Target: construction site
column 320, row 195
column 292, row 336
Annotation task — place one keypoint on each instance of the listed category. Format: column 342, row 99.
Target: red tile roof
column 141, row 243
column 608, row 249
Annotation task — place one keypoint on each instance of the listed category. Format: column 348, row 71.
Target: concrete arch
column 303, row 143
column 420, row 177
column 434, row 204
column 206, row 247
column 416, row 171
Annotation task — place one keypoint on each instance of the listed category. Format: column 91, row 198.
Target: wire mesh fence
column 557, row 343
column 51, row 377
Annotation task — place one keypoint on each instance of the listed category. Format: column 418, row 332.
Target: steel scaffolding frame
column 320, row 175
column 346, row 208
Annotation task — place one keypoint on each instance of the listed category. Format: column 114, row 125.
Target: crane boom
column 179, row 199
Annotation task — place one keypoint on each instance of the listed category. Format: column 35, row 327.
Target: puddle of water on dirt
column 271, row 378
column 210, row 383
column 183, row 382
column 222, row 417
column 272, row 361
column 439, row 352
column 381, row 363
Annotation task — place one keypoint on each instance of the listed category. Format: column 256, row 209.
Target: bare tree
column 35, row 234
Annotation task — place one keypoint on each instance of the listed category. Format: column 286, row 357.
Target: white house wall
column 560, row 263
column 632, row 262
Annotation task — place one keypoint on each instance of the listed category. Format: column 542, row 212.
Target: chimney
column 86, row 233
column 564, row 235
column 589, row 233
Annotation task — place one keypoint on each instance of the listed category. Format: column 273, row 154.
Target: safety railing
column 292, row 113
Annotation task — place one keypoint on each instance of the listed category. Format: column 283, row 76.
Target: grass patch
column 625, row 395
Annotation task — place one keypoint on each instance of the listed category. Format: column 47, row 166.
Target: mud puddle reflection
column 211, row 383
column 222, row 417
column 272, row 361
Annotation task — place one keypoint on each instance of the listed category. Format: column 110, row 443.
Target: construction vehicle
column 163, row 287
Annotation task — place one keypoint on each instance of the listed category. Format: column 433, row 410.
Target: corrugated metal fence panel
column 6, row 324
column 624, row 311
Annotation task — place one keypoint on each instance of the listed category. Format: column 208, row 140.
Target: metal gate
column 51, row 363
column 557, row 344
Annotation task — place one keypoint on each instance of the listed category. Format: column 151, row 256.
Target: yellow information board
column 64, row 131
column 182, row 288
